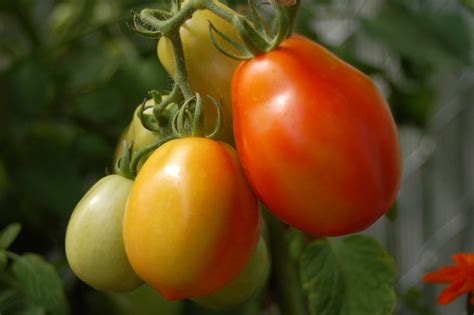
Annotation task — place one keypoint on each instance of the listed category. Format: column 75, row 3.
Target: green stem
column 175, row 6
column 226, row 14
column 469, row 306
column 198, row 118
column 292, row 14
column 286, row 275
column 143, row 152
column 284, row 28
column 181, row 74
column 173, row 24
column 174, row 96
column 124, row 162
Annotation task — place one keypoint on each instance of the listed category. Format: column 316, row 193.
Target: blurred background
column 71, row 74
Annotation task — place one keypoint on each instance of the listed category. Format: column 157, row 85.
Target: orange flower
column 460, row 278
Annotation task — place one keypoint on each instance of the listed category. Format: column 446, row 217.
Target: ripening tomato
column 316, row 139
column 249, row 281
column 192, row 220
column 94, row 242
column 209, row 71
column 137, row 135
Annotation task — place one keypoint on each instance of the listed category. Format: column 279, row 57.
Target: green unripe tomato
column 94, row 244
column 137, row 135
column 246, row 285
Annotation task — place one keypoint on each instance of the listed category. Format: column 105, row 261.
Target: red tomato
column 316, row 139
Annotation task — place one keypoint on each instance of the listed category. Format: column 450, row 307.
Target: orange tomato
column 191, row 221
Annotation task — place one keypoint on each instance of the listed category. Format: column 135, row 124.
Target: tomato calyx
column 122, row 168
column 189, row 120
column 254, row 34
column 164, row 108
column 154, row 23
column 169, row 121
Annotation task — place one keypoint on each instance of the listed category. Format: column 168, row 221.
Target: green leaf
column 30, row 88
column 40, row 283
column 32, row 310
column 352, row 276
column 296, row 243
column 3, row 260
column 9, row 234
column 412, row 299
column 11, row 300
column 412, row 106
column 143, row 300
column 91, row 68
column 392, row 213
column 469, row 4
column 452, row 31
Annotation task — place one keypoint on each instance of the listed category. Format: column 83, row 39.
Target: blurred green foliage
column 71, row 74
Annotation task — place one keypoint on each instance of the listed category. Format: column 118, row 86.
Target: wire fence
column 436, row 200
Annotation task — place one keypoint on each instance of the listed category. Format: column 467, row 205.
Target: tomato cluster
column 318, row 147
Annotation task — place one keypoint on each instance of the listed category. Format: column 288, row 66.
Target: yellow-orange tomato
column 209, row 71
column 316, row 139
column 191, row 221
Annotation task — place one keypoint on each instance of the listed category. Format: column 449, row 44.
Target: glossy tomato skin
column 192, row 220
column 94, row 244
column 246, row 285
column 316, row 139
column 209, row 71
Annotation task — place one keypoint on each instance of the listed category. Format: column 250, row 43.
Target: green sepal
column 148, row 121
column 123, row 162
column 198, row 118
column 245, row 52
column 254, row 41
column 8, row 235
column 219, row 120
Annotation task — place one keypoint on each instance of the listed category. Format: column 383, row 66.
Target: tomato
column 209, row 71
column 94, row 243
column 192, row 220
column 246, row 285
column 316, row 139
column 119, row 148
column 137, row 135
